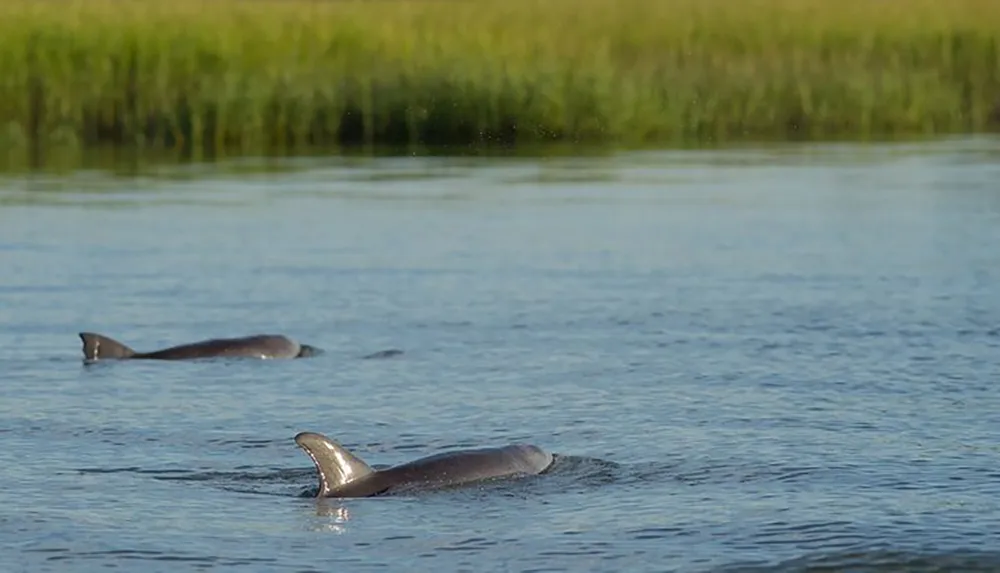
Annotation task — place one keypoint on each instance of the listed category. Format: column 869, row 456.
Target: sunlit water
column 773, row 359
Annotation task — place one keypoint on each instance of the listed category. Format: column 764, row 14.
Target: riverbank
column 277, row 74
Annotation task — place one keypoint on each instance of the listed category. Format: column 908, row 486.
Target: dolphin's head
column 306, row 351
column 533, row 459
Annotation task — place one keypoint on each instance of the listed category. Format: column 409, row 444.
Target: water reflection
column 335, row 516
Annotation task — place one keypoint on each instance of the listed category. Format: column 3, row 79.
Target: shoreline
column 278, row 76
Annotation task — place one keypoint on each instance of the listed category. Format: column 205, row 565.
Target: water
column 781, row 359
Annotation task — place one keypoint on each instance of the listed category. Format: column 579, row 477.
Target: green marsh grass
column 275, row 75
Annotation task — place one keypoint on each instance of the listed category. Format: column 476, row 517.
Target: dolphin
column 100, row 347
column 342, row 474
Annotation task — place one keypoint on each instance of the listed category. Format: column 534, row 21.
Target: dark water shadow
column 282, row 482
column 383, row 354
column 58, row 554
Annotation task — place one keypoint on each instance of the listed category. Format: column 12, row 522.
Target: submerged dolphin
column 342, row 474
column 100, row 347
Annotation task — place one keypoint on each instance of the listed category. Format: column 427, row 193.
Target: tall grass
column 251, row 75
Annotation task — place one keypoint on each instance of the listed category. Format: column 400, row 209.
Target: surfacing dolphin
column 342, row 474
column 100, row 347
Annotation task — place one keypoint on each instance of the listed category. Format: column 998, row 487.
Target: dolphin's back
column 455, row 468
column 97, row 346
column 258, row 346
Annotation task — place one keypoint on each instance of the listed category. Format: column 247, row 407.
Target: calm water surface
column 772, row 359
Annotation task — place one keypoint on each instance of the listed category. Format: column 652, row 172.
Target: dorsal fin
column 97, row 346
column 336, row 466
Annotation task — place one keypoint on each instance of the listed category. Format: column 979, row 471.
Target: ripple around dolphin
column 877, row 561
column 568, row 473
